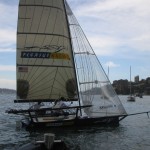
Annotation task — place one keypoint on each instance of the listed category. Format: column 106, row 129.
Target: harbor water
column 132, row 134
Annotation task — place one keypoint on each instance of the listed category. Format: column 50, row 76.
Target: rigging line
column 83, row 58
column 86, row 39
column 93, row 78
column 77, row 43
column 75, row 57
column 89, row 67
column 78, row 47
column 104, row 72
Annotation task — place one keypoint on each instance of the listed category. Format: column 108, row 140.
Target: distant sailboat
column 55, row 62
column 131, row 97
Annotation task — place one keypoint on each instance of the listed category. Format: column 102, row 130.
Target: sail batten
column 35, row 5
column 44, row 66
column 35, row 33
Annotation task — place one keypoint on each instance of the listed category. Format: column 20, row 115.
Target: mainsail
column 94, row 86
column 45, row 65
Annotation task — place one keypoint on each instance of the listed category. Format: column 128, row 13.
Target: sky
column 118, row 31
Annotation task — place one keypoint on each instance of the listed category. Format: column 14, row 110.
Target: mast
column 130, row 82
column 65, row 2
column 108, row 72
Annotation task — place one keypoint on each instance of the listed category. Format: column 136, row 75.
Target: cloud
column 141, row 43
column 8, row 40
column 8, row 26
column 104, row 7
column 104, row 45
column 7, row 83
column 111, row 64
column 8, row 15
column 117, row 23
column 7, row 68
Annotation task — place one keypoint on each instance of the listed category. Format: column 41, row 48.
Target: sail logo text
column 108, row 106
column 52, row 48
column 44, row 55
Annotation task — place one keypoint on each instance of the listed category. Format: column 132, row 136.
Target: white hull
column 131, row 99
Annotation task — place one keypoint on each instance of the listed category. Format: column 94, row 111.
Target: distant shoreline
column 8, row 91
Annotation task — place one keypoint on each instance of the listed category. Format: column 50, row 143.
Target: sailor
column 60, row 104
column 37, row 106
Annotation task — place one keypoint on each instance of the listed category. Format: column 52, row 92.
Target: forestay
column 94, row 85
column 45, row 67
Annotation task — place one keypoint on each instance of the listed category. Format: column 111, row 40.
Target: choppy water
column 132, row 134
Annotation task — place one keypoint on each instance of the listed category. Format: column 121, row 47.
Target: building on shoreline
column 138, row 86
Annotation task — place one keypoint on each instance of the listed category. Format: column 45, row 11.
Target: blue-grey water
column 132, row 134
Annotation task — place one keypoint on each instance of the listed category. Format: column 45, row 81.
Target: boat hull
column 77, row 122
column 131, row 99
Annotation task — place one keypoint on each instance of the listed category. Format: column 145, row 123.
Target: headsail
column 45, row 66
column 94, row 85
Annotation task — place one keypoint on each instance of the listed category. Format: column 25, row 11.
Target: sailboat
column 131, row 98
column 55, row 62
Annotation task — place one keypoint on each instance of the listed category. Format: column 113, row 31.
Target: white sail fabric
column 45, row 66
column 94, row 86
